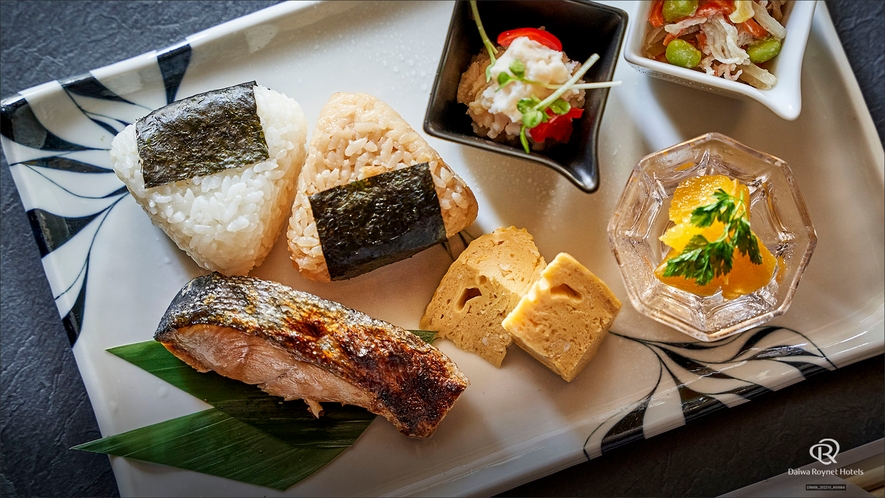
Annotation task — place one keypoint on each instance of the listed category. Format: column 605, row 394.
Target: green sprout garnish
column 485, row 39
column 532, row 116
column 560, row 107
column 517, row 67
column 702, row 260
column 534, row 111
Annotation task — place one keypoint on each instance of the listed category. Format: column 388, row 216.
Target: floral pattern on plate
column 66, row 183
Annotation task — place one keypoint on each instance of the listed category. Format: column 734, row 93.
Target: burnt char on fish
column 297, row 345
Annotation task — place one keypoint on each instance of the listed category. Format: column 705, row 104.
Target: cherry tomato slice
column 539, row 35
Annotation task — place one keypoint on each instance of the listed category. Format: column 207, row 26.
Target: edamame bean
column 675, row 10
column 683, row 54
column 764, row 50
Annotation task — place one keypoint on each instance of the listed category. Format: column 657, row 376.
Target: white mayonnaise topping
column 542, row 64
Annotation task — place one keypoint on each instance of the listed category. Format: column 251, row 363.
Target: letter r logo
column 825, row 451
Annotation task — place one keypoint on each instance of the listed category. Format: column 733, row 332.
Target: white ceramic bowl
column 784, row 99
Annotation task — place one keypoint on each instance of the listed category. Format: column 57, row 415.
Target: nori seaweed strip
column 201, row 135
column 382, row 219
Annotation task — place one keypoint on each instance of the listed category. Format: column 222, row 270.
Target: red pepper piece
column 754, row 28
column 702, row 40
column 709, row 7
column 539, row 35
column 558, row 127
column 656, row 15
column 670, row 37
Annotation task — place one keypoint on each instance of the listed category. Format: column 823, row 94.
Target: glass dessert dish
column 778, row 216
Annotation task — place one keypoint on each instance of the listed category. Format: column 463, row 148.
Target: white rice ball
column 228, row 221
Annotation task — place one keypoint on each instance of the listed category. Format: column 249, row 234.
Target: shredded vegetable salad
column 732, row 39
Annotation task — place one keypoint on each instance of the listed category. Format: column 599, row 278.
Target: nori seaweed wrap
column 371, row 192
column 201, row 135
column 369, row 223
column 217, row 172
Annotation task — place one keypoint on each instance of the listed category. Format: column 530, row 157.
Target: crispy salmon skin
column 300, row 346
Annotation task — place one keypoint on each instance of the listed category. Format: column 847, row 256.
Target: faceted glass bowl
column 778, row 216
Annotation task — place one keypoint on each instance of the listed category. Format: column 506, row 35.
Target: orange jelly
column 745, row 277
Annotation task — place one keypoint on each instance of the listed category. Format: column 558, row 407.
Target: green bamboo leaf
column 427, row 336
column 287, row 420
column 212, row 442
column 249, row 436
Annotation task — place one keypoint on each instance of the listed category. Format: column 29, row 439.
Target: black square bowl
column 583, row 27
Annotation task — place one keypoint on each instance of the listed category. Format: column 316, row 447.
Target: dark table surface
column 45, row 409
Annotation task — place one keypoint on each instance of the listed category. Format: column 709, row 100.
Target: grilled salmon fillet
column 299, row 346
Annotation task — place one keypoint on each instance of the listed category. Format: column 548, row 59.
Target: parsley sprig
column 703, row 260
